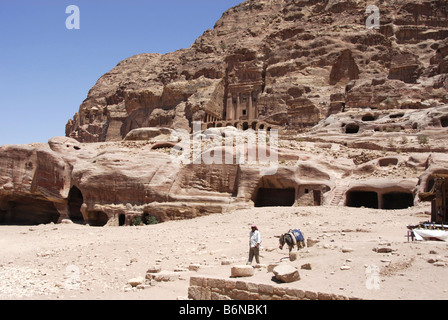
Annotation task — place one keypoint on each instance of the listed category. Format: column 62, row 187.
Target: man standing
column 254, row 244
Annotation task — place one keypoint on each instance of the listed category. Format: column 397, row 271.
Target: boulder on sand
column 242, row 271
column 286, row 273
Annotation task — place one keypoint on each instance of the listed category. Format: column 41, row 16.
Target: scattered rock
column 286, row 273
column 154, row 269
column 134, row 282
column 382, row 250
column 143, row 286
column 226, row 262
column 293, row 256
column 194, row 267
column 306, row 266
column 242, row 271
column 311, row 242
column 163, row 276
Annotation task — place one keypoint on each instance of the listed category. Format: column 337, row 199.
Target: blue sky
column 46, row 70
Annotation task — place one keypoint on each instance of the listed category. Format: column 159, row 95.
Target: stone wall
column 202, row 288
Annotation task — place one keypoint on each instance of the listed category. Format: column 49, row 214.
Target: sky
column 47, row 66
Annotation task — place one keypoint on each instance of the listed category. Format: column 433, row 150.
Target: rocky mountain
column 361, row 115
column 280, row 63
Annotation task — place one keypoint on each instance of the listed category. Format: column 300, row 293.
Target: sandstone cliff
column 283, row 62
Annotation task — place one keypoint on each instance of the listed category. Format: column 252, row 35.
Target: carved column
column 238, row 107
column 229, row 112
column 250, row 111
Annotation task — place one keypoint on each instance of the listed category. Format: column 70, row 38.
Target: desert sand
column 80, row 262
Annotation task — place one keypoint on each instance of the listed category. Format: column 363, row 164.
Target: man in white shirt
column 254, row 245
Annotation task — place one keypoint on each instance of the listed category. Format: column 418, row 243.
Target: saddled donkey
column 292, row 238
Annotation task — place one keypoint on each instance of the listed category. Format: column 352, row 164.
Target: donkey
column 292, row 238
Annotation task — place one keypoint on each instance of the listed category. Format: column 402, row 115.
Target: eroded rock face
column 113, row 183
column 277, row 61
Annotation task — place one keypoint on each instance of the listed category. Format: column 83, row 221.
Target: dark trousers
column 254, row 252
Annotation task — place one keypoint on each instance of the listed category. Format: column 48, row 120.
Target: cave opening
column 357, row 199
column 75, row 201
column 444, row 122
column 385, row 162
column 273, row 197
column 352, row 128
column 121, row 220
column 368, row 117
column 28, row 211
column 397, row 200
column 97, row 218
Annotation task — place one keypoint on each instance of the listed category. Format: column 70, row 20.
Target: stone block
column 154, row 269
column 136, row 281
column 265, row 288
column 286, row 273
column 293, row 256
column 242, row 271
column 194, row 267
column 311, row 295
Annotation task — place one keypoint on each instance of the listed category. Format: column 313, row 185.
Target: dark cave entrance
column 386, row 201
column 27, row 211
column 397, row 200
column 368, row 117
column 97, row 218
column 387, row 162
column 272, row 197
column 357, row 199
column 352, row 128
column 444, row 122
column 75, row 201
column 121, row 220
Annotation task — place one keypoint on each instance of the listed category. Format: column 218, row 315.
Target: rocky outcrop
column 344, row 69
column 279, row 62
column 405, row 67
column 120, row 183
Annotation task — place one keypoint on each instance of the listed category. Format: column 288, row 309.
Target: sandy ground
column 69, row 261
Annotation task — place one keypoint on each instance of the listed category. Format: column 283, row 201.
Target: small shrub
column 423, row 140
column 151, row 220
column 137, row 221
